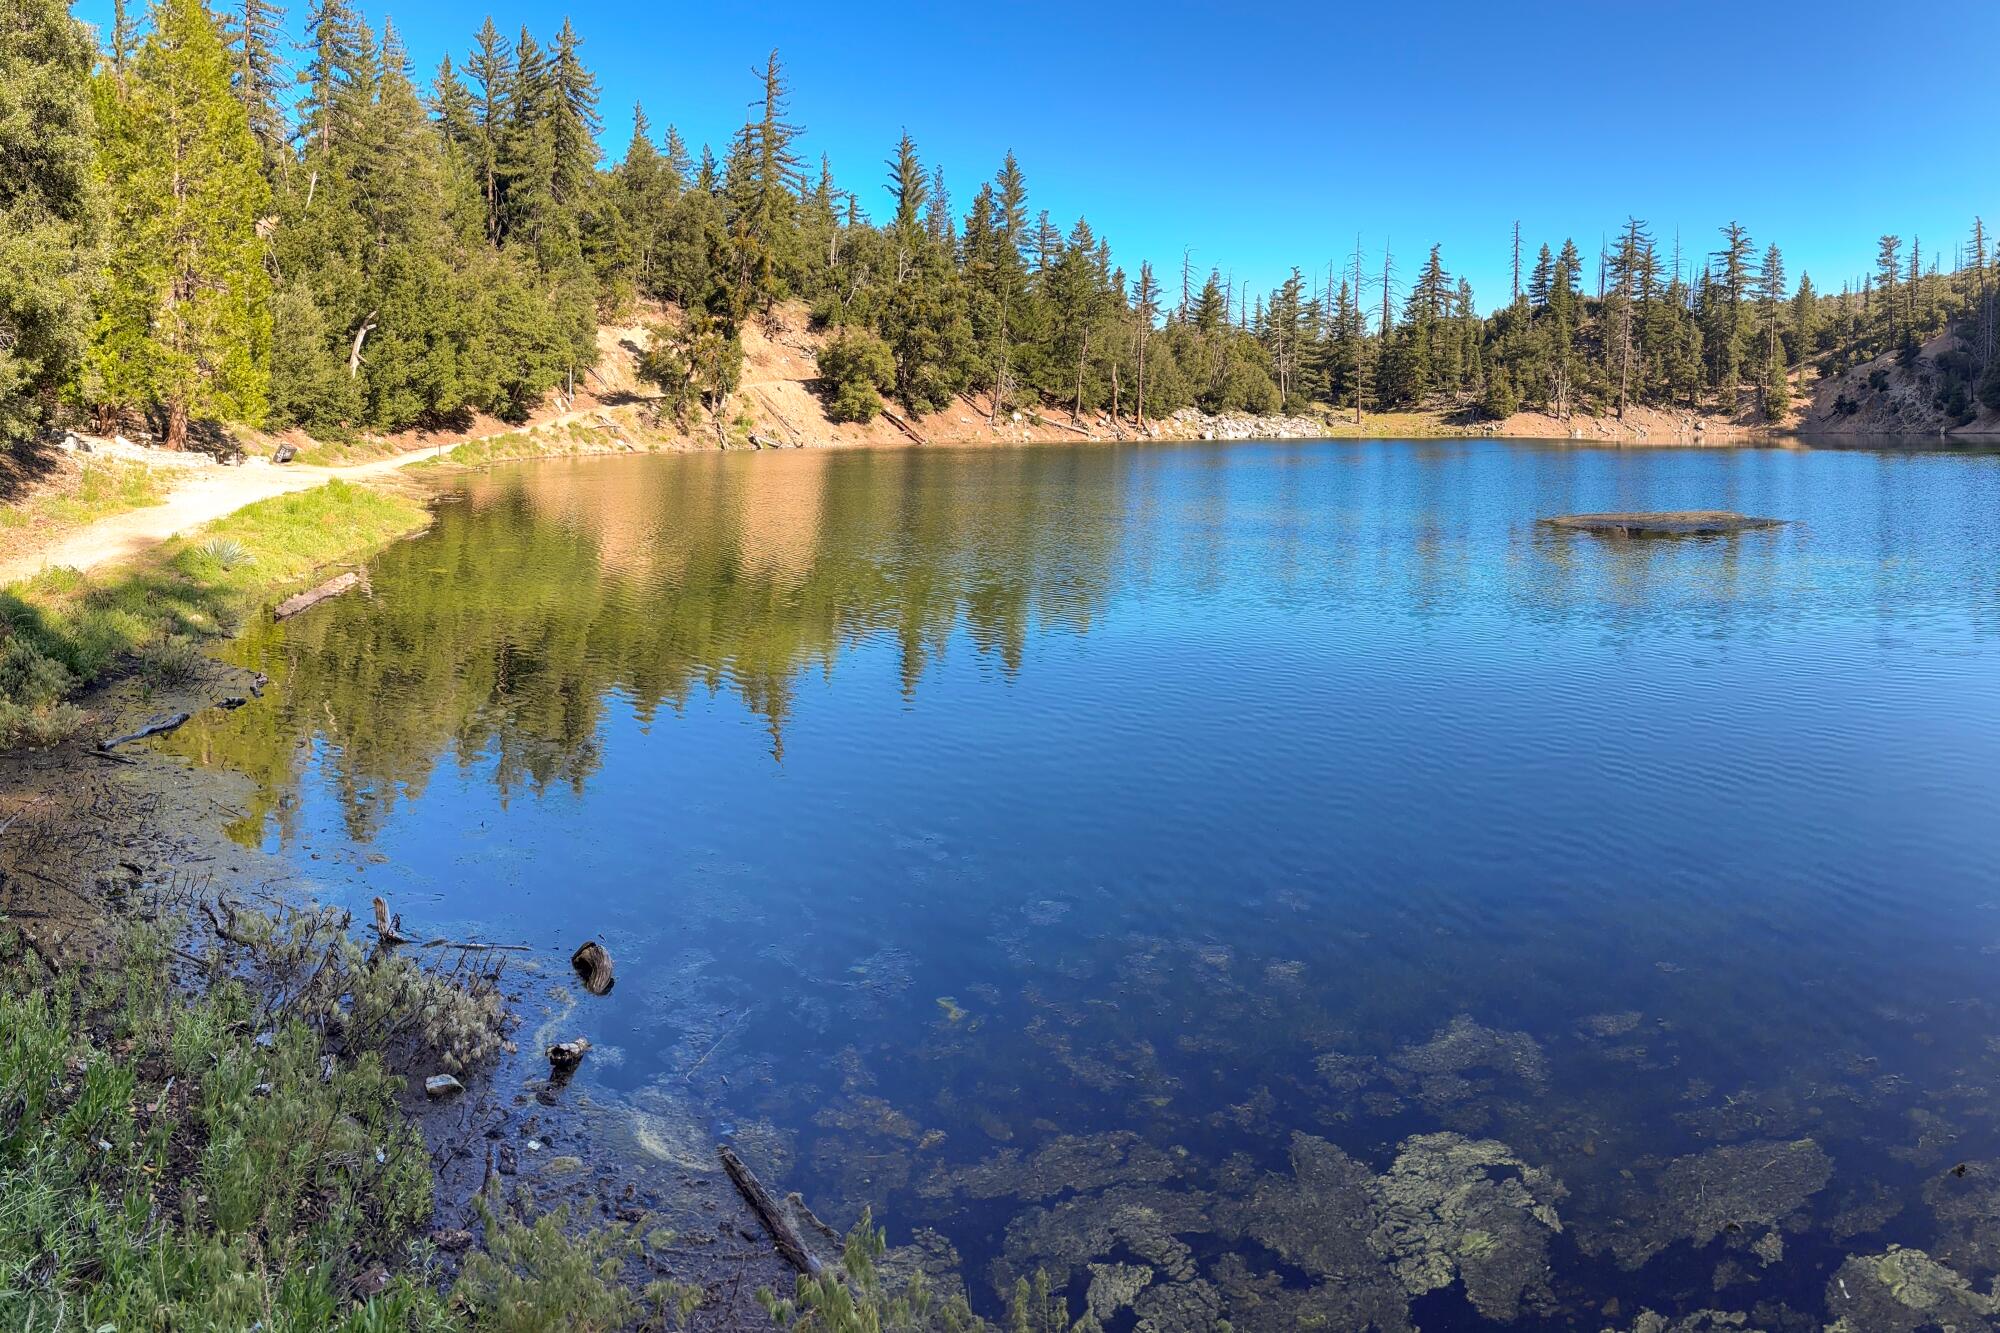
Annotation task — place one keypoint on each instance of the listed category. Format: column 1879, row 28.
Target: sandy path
column 201, row 497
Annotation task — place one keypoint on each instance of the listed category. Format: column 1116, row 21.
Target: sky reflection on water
column 1166, row 857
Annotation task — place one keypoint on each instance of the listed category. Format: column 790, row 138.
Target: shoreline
column 96, row 845
column 200, row 496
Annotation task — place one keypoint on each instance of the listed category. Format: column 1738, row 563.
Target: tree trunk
column 360, row 336
column 999, row 371
column 1142, row 382
column 1081, row 357
column 177, row 424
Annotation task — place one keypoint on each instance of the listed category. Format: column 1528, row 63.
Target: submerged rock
column 1145, row 1223
column 565, row 1056
column 1965, row 1199
column 1701, row 1321
column 1178, row 1307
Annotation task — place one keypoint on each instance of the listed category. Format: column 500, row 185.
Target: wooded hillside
column 203, row 234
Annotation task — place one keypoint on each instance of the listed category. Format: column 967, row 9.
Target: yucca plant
column 227, row 552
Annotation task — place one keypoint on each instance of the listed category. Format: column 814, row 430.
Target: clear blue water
column 959, row 818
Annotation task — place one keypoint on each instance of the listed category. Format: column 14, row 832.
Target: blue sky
column 1264, row 135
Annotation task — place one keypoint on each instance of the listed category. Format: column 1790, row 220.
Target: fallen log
column 1041, row 420
column 333, row 587
column 783, row 1234
column 904, row 426
column 1673, row 523
column 165, row 722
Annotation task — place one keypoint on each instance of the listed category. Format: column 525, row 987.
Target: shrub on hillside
column 1501, row 399
column 855, row 369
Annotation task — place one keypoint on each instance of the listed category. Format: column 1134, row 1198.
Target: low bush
column 855, row 369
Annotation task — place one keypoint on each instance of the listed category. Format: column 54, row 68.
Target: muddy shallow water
column 1281, row 882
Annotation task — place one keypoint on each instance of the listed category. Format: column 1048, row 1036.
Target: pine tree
column 575, row 121
column 259, row 74
column 1888, row 270
column 645, row 196
column 1772, row 293
column 339, row 77
column 937, row 214
column 124, row 39
column 678, row 163
column 491, row 69
column 1805, row 321
column 48, row 209
column 1542, row 280
column 908, row 186
column 1145, row 308
column 761, row 183
column 185, row 327
column 993, row 266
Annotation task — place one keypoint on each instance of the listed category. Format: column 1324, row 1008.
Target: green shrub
column 171, row 662
column 855, row 369
column 28, row 676
column 41, row 726
column 534, row 1277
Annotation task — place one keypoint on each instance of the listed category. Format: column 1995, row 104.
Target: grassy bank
column 213, row 1140
column 98, row 489
column 63, row 631
column 205, row 1130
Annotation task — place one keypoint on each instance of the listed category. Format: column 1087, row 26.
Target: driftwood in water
column 165, row 722
column 390, row 928
column 593, row 967
column 1672, row 523
column 783, row 1234
column 333, row 587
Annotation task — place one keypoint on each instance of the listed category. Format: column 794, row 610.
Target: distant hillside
column 1886, row 397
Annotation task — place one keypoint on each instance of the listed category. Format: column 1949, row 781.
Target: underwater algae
column 1904, row 1291
column 1735, row 1190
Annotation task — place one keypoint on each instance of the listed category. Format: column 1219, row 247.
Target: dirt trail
column 198, row 498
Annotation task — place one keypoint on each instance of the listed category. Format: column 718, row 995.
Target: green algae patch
column 1738, row 1190
column 1070, row 1163
column 1469, row 1209
column 1701, row 1321
column 1114, row 1287
column 1904, row 1291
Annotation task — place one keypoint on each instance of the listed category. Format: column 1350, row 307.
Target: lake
column 1283, row 882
